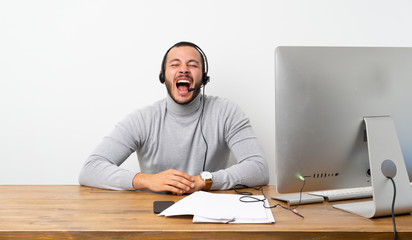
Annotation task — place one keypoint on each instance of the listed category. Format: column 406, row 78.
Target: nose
column 184, row 69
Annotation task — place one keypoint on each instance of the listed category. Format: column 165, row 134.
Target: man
column 183, row 141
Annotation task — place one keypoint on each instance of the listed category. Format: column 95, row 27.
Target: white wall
column 69, row 70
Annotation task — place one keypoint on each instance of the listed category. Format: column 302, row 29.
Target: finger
column 183, row 175
column 177, row 185
column 174, row 190
column 182, row 183
column 187, row 183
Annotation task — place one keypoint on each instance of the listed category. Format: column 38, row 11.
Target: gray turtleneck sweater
column 169, row 135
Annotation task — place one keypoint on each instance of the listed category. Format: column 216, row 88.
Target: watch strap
column 208, row 185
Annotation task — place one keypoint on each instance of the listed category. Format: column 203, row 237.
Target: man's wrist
column 138, row 181
column 207, row 177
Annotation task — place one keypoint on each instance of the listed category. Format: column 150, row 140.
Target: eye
column 193, row 64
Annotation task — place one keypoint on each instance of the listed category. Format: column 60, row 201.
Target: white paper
column 222, row 208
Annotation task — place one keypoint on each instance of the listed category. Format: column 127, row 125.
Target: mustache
column 184, row 76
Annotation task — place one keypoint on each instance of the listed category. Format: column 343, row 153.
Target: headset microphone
column 193, row 89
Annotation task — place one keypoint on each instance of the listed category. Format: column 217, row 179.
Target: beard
column 169, row 88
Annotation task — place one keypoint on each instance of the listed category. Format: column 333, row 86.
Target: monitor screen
column 322, row 96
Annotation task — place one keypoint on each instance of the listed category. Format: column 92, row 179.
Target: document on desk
column 220, row 208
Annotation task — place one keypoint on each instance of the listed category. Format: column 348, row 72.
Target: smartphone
column 159, row 206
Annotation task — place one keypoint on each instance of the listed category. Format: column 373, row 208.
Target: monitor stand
column 385, row 159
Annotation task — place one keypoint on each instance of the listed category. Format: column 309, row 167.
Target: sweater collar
column 183, row 109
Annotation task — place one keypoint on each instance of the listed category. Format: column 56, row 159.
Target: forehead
column 184, row 53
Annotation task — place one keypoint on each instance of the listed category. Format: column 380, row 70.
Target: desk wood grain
column 77, row 212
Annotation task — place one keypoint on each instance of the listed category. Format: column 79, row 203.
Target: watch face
column 206, row 175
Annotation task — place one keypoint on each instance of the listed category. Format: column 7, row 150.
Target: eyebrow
column 194, row 60
column 179, row 60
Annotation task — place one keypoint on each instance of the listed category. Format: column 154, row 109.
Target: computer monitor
column 332, row 106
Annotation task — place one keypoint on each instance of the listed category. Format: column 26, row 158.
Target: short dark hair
column 190, row 44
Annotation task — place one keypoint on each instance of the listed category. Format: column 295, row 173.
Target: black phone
column 159, row 206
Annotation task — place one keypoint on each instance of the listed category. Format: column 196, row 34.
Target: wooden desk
column 76, row 212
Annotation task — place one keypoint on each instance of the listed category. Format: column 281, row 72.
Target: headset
column 205, row 66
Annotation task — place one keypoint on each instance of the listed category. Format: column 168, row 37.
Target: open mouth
column 183, row 85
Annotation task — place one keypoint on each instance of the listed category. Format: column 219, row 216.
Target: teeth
column 183, row 81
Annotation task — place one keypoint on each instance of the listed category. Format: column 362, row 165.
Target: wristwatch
column 207, row 177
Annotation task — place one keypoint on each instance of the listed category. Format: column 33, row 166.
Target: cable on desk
column 249, row 198
column 393, row 208
column 303, row 178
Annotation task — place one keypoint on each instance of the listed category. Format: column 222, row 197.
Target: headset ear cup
column 205, row 78
column 161, row 77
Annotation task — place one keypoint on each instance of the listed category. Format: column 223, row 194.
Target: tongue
column 183, row 88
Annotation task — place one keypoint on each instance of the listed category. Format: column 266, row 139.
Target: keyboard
column 345, row 194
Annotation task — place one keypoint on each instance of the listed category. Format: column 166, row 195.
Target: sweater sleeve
column 101, row 168
column 251, row 168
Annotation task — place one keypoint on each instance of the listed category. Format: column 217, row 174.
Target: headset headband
column 205, row 66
